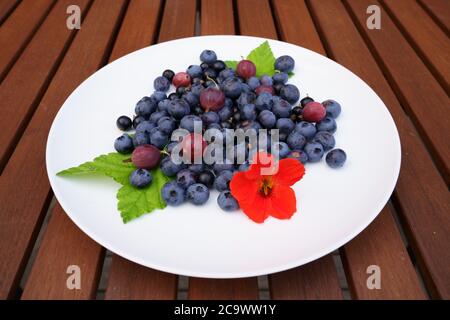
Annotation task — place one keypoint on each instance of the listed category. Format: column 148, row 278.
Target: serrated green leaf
column 134, row 202
column 111, row 165
column 263, row 59
column 231, row 64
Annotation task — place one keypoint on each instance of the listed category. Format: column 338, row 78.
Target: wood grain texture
column 421, row 193
column 414, row 84
column 429, row 41
column 255, row 18
column 128, row 280
column 17, row 30
column 139, row 13
column 27, row 80
column 288, row 10
column 6, row 7
column 24, row 193
column 217, row 17
column 316, row 280
column 178, row 20
column 223, row 289
column 440, row 11
column 381, row 246
column 64, row 245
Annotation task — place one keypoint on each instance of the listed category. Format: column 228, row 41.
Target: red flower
column 262, row 190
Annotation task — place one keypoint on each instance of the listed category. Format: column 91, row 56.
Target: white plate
column 333, row 205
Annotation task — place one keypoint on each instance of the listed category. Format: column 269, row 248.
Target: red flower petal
column 283, row 202
column 258, row 209
column 263, row 163
column 289, row 171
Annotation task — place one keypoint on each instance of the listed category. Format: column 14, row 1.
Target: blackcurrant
column 168, row 74
column 305, row 101
column 137, row 120
column 124, row 123
column 219, row 65
column 206, row 178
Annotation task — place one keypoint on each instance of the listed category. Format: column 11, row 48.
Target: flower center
column 265, row 186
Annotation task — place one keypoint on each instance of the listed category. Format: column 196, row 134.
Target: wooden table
column 407, row 63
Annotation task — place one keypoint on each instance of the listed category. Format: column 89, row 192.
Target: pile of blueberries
column 223, row 98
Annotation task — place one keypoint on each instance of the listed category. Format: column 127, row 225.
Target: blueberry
column 249, row 124
column 187, row 122
column 215, row 126
column 245, row 98
column 332, row 107
column 140, row 178
column 305, row 101
column 300, row 155
column 281, row 108
column 172, row 193
column 226, row 125
column 226, row 73
column 314, row 150
column 225, row 113
column 166, row 125
column 267, row 119
column 197, row 194
column 172, row 96
column 246, row 88
column 204, row 65
column 253, row 82
column 326, row 139
column 327, row 124
column 194, row 71
column 196, row 168
column 168, row 74
column 145, row 127
column 244, row 166
column 171, row 145
column 206, row 177
column 231, row 87
column 290, row 93
column 124, row 144
column 141, row 138
column 208, row 56
column 227, row 202
column 280, row 78
column 124, row 123
column 157, row 115
column 285, row 125
column 284, row 64
column 169, row 168
column 281, row 148
column 161, row 83
column 163, row 105
column 222, row 181
column 296, row 140
column 306, row 129
column 158, row 96
column 145, row 107
column 226, row 165
column 218, row 65
column 264, row 101
column 185, row 178
column 137, row 120
column 266, row 80
column 197, row 89
column 191, row 98
column 249, row 112
column 336, row 158
column 210, row 117
column 178, row 108
column 158, row 138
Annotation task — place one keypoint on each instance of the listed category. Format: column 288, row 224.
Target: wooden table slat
column 63, row 246
column 38, row 62
column 440, row 11
column 17, row 30
column 427, row 38
column 426, row 101
column 128, row 280
column 178, row 20
column 421, row 193
column 24, row 193
column 255, row 19
column 217, row 17
column 223, row 289
column 6, row 7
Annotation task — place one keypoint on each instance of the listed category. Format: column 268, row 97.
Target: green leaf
column 134, row 202
column 231, row 64
column 263, row 59
column 111, row 165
